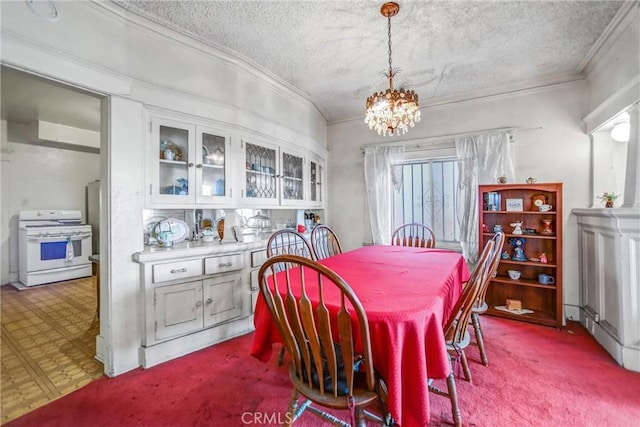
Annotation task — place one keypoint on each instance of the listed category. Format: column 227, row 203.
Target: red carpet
column 537, row 376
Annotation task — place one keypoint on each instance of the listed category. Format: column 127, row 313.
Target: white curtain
column 481, row 160
column 378, row 179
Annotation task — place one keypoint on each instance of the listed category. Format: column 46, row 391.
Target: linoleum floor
column 48, row 343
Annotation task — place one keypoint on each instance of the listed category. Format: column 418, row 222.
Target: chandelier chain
column 389, row 35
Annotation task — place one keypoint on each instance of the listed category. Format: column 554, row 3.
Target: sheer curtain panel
column 378, row 179
column 481, row 160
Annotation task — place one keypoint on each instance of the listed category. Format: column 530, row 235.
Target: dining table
column 408, row 294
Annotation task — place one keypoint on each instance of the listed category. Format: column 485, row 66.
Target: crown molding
column 193, row 42
column 614, row 30
column 492, row 94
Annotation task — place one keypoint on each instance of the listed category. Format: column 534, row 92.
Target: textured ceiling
column 334, row 51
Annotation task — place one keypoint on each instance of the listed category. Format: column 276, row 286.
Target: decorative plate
column 174, row 229
column 537, row 200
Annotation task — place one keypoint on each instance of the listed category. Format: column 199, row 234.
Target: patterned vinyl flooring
column 48, row 344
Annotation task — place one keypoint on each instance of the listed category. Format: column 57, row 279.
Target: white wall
column 33, row 177
column 558, row 152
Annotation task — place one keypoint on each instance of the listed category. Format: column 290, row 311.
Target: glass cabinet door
column 292, row 178
column 260, row 173
column 316, row 177
column 211, row 166
column 172, row 181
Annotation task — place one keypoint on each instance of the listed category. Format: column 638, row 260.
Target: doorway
column 51, row 151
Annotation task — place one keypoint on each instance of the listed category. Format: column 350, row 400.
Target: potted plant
column 608, row 199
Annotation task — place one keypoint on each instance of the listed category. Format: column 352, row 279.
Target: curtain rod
column 430, row 139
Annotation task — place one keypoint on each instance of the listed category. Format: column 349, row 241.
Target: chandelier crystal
column 393, row 110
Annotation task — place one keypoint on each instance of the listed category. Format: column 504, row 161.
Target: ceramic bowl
column 514, row 274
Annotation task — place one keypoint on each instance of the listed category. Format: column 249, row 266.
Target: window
column 425, row 192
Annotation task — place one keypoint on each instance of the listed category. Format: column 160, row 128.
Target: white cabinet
column 222, row 298
column 187, row 164
column 176, row 310
column 189, row 295
column 273, row 175
column 187, row 307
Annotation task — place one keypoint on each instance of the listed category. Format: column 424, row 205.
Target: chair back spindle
column 324, row 242
column 413, row 234
column 289, row 242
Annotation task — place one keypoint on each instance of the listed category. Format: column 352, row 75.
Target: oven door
column 57, row 250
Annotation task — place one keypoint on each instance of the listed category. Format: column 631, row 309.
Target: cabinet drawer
column 177, row 270
column 258, row 258
column 223, row 263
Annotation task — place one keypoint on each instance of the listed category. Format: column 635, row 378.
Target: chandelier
column 393, row 110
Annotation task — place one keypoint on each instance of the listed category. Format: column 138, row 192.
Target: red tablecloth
column 407, row 293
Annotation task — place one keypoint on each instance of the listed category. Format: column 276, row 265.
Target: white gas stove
column 54, row 245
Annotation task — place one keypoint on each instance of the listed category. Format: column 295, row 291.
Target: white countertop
column 196, row 248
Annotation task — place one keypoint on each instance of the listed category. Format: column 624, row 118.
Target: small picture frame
column 514, row 205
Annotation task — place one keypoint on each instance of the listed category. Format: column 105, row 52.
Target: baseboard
column 627, row 357
column 155, row 354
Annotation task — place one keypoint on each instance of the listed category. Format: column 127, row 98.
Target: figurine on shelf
column 517, row 227
column 485, row 228
column 518, row 249
column 543, row 258
column 505, row 255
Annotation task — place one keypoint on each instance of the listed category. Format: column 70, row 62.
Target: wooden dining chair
column 481, row 306
column 326, row 370
column 288, row 242
column 324, row 242
column 413, row 234
column 455, row 331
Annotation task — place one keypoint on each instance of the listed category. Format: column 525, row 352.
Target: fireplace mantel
column 609, row 246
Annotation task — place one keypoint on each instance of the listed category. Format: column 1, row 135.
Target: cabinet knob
column 209, row 301
column 198, row 303
column 179, row 270
column 225, row 264
column 199, row 165
column 190, row 165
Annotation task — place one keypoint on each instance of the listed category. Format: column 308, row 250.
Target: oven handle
column 57, row 236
